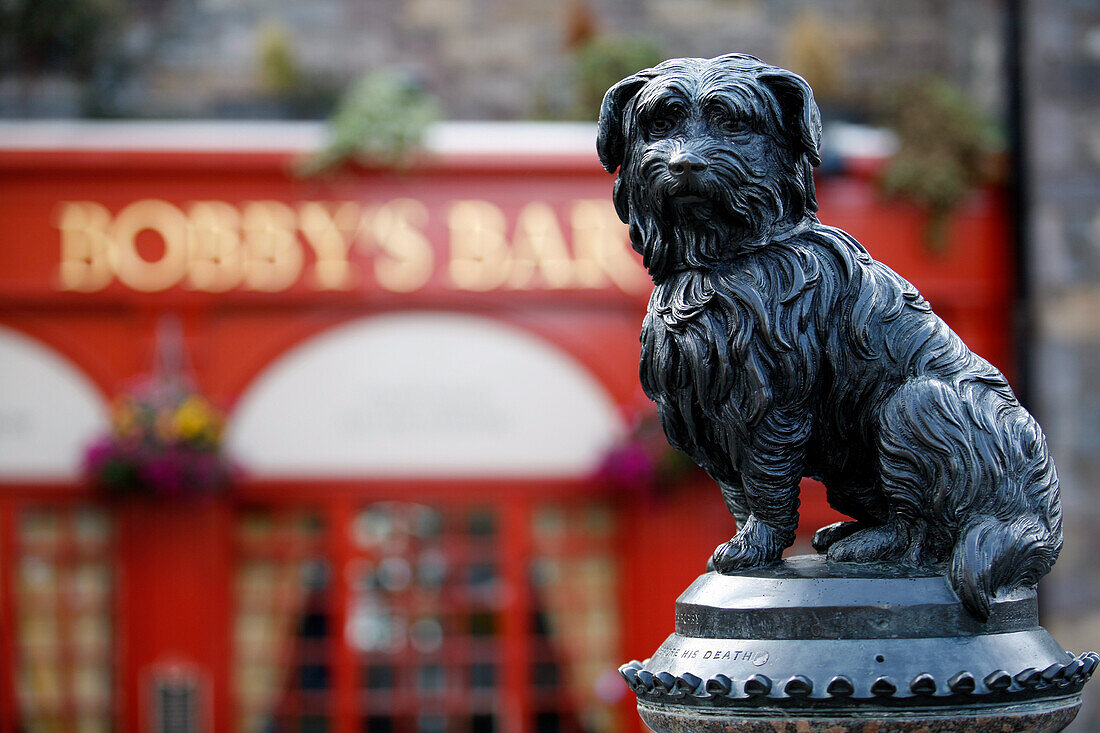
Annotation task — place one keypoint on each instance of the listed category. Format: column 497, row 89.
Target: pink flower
column 630, row 467
column 163, row 474
column 98, row 454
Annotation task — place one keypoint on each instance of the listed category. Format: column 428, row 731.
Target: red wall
column 231, row 336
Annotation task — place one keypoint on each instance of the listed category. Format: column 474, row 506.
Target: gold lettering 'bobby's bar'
column 271, row 246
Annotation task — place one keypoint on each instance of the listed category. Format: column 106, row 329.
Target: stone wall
column 508, row 59
column 1062, row 94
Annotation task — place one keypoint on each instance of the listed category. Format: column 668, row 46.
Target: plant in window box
column 946, row 148
column 381, row 121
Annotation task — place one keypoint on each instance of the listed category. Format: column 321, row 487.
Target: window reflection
column 424, row 617
column 426, row 591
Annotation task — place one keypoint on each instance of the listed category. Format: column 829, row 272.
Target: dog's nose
column 683, row 164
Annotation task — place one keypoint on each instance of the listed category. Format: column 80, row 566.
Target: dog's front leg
column 771, row 471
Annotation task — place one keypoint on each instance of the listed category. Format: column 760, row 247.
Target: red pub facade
column 422, row 371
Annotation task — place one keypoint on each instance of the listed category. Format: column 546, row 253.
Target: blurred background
column 318, row 338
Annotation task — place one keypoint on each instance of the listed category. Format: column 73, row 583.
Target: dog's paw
column 828, row 535
column 755, row 545
column 872, row 544
column 730, row 557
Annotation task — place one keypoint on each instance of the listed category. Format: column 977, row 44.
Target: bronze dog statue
column 776, row 348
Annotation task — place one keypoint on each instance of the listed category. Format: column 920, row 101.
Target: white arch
column 49, row 411
column 423, row 394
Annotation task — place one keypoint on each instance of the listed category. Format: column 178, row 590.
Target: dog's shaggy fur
column 776, row 348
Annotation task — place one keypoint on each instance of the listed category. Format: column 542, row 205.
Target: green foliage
column 946, row 147
column 279, row 70
column 296, row 92
column 380, row 120
column 604, row 60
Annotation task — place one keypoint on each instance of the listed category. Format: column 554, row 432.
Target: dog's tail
column 1012, row 536
column 993, row 554
column 980, row 463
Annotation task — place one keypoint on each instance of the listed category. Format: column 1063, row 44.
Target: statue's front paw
column 755, row 545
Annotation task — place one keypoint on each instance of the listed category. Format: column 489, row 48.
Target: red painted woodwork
column 174, row 578
column 8, row 713
column 175, row 561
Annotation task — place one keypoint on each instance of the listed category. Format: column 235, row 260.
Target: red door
column 174, row 584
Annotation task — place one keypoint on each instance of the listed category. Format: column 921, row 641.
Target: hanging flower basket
column 165, row 441
column 643, row 463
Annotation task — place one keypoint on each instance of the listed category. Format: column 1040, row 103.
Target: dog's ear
column 611, row 138
column 799, row 113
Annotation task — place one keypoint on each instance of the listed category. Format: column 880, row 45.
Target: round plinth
column 842, row 646
column 1040, row 719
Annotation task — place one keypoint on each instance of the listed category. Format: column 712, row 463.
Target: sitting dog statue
column 776, row 348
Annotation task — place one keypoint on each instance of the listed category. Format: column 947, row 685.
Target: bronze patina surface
column 824, row 641
column 663, row 720
column 776, row 348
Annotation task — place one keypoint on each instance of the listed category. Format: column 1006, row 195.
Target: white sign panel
column 49, row 411
column 424, row 394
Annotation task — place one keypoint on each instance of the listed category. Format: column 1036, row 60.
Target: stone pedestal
column 807, row 645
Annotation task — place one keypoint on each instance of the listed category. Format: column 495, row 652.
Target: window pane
column 424, row 617
column 282, row 628
column 573, row 624
column 64, row 600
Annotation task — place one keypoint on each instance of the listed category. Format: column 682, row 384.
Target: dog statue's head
column 714, row 157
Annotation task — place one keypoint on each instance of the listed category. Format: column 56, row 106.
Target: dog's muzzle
column 687, row 172
column 686, row 167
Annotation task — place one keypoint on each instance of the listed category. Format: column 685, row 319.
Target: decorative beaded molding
column 1057, row 680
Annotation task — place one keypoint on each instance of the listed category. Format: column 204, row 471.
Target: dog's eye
column 725, row 122
column 661, row 125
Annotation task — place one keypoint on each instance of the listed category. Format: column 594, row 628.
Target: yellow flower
column 195, row 419
column 125, row 418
